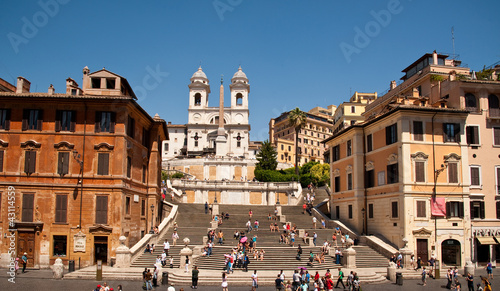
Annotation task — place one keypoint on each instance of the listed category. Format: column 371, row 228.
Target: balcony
column 494, row 113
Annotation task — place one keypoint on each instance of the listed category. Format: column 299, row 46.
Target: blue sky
column 290, row 50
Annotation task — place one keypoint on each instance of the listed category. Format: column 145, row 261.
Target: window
column 5, row 119
column 96, row 82
column 337, row 184
column 238, row 144
column 421, row 211
column 32, row 119
column 62, row 163
column 131, row 127
column 165, row 146
column 498, row 209
column 143, row 207
column 419, row 171
column 127, row 205
column 335, row 153
column 65, row 120
column 289, row 148
column 451, row 132
column 391, row 134
column 145, row 137
column 282, row 157
column 29, row 162
column 394, row 209
column 369, row 143
column 472, row 133
column 455, row 209
column 392, row 174
column 129, row 167
column 110, row 83
column 353, row 109
column 349, row 148
column 195, row 143
column 418, row 131
column 452, row 172
column 144, row 172
column 381, row 178
column 497, row 168
column 337, row 212
column 475, row 176
column 105, row 121
column 1, row 160
column 282, row 147
column 101, row 210
column 370, row 210
column 197, row 99
column 60, row 245
column 305, row 150
column 239, row 99
column 470, row 102
column 370, row 178
column 350, row 211
column 477, row 209
column 61, row 208
column 349, row 181
column 103, row 164
column 496, row 136
column 28, row 202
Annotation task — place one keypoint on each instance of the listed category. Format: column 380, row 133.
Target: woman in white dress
column 224, row 282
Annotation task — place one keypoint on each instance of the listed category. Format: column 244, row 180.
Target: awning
column 486, row 240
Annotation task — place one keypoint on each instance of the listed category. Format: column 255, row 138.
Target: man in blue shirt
column 24, row 260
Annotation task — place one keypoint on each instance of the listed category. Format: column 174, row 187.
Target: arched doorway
column 451, row 252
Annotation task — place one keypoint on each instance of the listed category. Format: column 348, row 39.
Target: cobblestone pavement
column 41, row 280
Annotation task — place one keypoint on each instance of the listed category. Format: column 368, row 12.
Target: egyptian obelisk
column 221, row 141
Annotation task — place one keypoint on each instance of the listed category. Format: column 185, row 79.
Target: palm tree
column 297, row 118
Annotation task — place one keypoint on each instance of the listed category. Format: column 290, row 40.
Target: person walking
column 249, row 225
column 489, row 270
column 314, row 222
column 166, row 247
column 24, row 260
column 175, row 237
column 424, row 276
column 278, row 283
column 187, row 264
column 470, row 281
column 255, row 280
column 224, row 282
column 148, row 278
column 194, row 277
column 206, row 207
column 340, row 278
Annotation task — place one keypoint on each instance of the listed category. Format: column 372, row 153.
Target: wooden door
column 26, row 244
column 422, row 250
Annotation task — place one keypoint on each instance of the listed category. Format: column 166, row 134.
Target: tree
column 320, row 173
column 297, row 119
column 267, row 157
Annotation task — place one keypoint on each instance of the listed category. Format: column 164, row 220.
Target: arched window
column 239, row 99
column 492, row 101
column 197, row 99
column 470, row 102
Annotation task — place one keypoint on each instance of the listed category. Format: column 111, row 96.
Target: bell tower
column 239, row 88
column 198, row 90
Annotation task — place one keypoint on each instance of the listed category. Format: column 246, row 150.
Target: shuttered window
column 452, row 173
column 349, row 181
column 475, row 179
column 337, row 184
column 419, row 171
column 370, row 179
column 65, row 120
column 472, row 132
column 29, row 162
column 498, row 180
column 451, row 132
column 1, row 160
column 391, row 134
column 477, row 209
column 394, row 209
column 101, row 210
column 131, row 127
column 496, row 135
column 63, row 163
column 61, row 208
column 421, row 211
column 455, row 209
column 103, row 164
column 32, row 119
column 28, row 202
column 370, row 210
column 129, row 167
column 5, row 119
column 418, row 131
column 105, row 121
column 350, row 211
column 392, row 174
column 369, row 143
column 349, row 147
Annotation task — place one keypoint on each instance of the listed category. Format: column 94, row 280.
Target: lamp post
column 215, row 194
column 77, row 156
column 152, row 219
column 278, row 195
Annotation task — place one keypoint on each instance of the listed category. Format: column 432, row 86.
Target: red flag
column 438, row 207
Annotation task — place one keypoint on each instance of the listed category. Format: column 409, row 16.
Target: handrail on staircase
column 167, row 222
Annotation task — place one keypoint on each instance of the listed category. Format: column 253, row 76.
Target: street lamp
column 278, row 196
column 215, row 194
column 152, row 220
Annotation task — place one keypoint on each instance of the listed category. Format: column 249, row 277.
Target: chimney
column 86, row 78
column 434, row 58
column 393, row 84
column 51, row 89
column 23, row 85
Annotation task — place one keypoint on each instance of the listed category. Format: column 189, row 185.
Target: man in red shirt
column 329, row 283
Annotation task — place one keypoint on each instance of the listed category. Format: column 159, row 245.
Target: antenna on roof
column 453, row 40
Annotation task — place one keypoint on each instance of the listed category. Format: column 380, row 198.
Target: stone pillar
column 391, row 272
column 57, row 269
column 186, row 251
column 469, row 268
column 123, row 254
column 215, row 208
column 349, row 258
column 406, row 253
column 214, row 224
column 278, row 206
